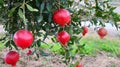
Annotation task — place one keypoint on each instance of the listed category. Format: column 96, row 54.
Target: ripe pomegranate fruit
column 63, row 37
column 79, row 65
column 29, row 52
column 23, row 38
column 85, row 31
column 102, row 32
column 11, row 58
column 61, row 17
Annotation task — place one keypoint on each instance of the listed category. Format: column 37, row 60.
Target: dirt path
column 101, row 60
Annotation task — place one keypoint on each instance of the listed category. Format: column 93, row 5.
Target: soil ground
column 101, row 60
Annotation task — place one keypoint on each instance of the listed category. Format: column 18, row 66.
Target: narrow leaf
column 43, row 53
column 42, row 7
column 21, row 14
column 11, row 12
column 39, row 18
column 30, row 8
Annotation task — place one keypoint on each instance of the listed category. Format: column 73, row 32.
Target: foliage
column 36, row 16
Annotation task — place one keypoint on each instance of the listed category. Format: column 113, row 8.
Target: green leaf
column 45, row 36
column 67, row 56
column 7, row 43
column 37, row 56
column 50, row 17
column 56, row 48
column 43, row 53
column 49, row 7
column 1, row 39
column 14, row 45
column 54, row 39
column 42, row 7
column 39, row 18
column 39, row 43
column 94, row 21
column 1, row 1
column 21, row 14
column 11, row 12
column 30, row 8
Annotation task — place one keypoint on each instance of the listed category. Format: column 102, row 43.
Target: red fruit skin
column 23, row 38
column 79, row 65
column 102, row 32
column 63, row 37
column 29, row 52
column 61, row 17
column 11, row 58
column 85, row 31
column 69, row 22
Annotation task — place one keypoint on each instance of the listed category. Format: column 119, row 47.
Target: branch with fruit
column 28, row 23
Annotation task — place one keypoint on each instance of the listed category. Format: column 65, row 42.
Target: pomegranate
column 61, row 17
column 79, row 65
column 23, row 38
column 11, row 58
column 63, row 37
column 102, row 32
column 85, row 31
column 29, row 52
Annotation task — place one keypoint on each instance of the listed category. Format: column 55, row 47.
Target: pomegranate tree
column 11, row 58
column 44, row 18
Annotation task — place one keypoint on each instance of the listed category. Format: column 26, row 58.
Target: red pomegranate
column 85, row 31
column 79, row 65
column 11, row 58
column 23, row 38
column 102, row 32
column 63, row 37
column 61, row 17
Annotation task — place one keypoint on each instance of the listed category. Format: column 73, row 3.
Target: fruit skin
column 102, row 32
column 63, row 37
column 79, row 65
column 85, row 31
column 11, row 58
column 61, row 17
column 23, row 38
